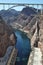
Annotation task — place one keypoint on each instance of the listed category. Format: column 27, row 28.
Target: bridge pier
column 3, row 7
column 41, row 9
column 37, row 9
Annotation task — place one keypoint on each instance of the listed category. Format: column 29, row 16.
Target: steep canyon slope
column 7, row 38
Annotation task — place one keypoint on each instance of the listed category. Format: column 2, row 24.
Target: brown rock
column 40, row 45
column 7, row 37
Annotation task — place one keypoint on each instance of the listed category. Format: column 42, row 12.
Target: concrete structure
column 23, row 4
column 35, row 57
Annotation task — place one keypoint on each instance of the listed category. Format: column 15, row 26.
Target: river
column 24, row 48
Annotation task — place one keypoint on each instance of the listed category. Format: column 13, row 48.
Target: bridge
column 36, row 55
column 12, row 5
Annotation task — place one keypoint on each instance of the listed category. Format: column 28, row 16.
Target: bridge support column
column 3, row 6
column 41, row 9
column 8, row 6
column 37, row 9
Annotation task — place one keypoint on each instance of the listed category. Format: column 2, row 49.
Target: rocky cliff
column 7, row 37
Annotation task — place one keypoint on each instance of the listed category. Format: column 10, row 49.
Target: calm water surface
column 24, row 48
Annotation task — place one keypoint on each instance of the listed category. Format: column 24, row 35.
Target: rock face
column 24, row 18
column 41, row 34
column 7, row 37
column 28, row 11
column 9, row 15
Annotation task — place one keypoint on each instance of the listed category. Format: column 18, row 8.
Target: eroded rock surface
column 7, row 37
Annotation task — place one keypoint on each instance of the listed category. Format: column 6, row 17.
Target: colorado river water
column 24, row 48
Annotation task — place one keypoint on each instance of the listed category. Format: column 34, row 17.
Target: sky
column 19, row 1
